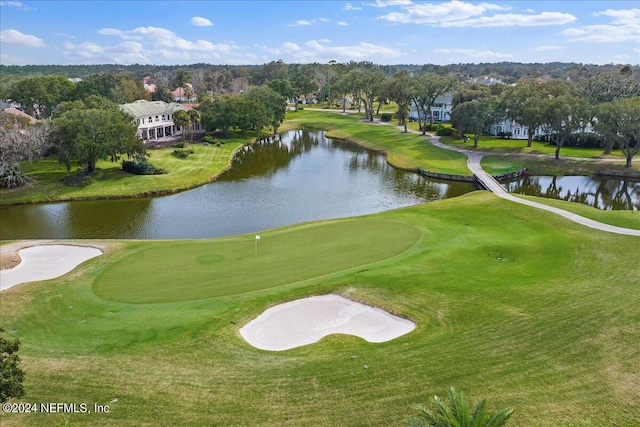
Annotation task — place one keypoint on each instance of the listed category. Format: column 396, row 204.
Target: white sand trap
column 45, row 262
column 308, row 320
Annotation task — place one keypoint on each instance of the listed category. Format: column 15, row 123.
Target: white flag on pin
column 257, row 237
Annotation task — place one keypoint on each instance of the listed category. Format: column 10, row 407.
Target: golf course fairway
column 510, row 303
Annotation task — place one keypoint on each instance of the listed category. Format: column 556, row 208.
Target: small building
column 155, row 119
column 308, row 99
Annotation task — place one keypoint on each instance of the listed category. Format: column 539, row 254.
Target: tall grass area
column 512, row 303
column 403, row 150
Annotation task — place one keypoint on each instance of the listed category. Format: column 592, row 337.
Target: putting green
column 189, row 270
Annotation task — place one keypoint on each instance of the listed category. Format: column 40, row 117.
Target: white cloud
column 324, row 20
column 343, row 24
column 300, row 23
column 386, row 3
column 317, row 50
column 17, row 38
column 199, row 21
column 515, row 20
column 349, row 6
column 624, row 26
column 457, row 13
column 15, row 4
column 362, row 50
column 547, row 48
column 475, row 54
column 438, row 13
column 163, row 38
column 148, row 45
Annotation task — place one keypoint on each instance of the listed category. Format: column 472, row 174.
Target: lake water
column 599, row 192
column 298, row 176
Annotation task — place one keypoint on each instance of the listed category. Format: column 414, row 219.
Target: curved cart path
column 473, row 162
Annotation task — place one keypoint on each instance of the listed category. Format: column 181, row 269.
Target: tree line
column 83, row 121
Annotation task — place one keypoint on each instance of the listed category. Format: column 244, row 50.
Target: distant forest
column 508, row 72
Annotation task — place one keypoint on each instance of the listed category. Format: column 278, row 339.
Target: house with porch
column 155, row 119
column 441, row 110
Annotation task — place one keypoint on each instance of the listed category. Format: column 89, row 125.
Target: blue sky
column 256, row 32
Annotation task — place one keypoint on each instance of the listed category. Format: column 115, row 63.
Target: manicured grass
column 620, row 218
column 512, row 303
column 496, row 165
column 231, row 266
column 404, row 150
column 519, row 146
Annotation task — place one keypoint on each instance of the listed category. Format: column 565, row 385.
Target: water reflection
column 598, row 192
column 295, row 177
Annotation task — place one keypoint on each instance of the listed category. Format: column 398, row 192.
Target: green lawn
column 228, row 267
column 620, row 218
column 496, row 165
column 519, row 146
column 512, row 303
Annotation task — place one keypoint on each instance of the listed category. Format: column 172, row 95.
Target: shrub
column 208, row 138
column 386, row 117
column 141, row 167
column 178, row 144
column 11, row 175
column 443, row 131
column 182, row 153
column 585, row 140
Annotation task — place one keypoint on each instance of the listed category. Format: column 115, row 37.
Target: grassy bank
column 549, row 166
column 510, row 302
column 519, row 146
column 112, row 182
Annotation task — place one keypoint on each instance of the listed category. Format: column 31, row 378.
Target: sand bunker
column 45, row 262
column 305, row 321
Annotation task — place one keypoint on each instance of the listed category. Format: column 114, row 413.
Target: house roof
column 179, row 92
column 143, row 108
column 18, row 113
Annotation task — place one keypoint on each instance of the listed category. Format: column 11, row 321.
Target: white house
column 514, row 129
column 155, row 119
column 441, row 110
column 519, row 131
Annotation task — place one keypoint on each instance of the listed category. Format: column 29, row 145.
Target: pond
column 599, row 192
column 296, row 177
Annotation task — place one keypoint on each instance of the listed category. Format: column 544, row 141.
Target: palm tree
column 181, row 118
column 194, row 116
column 458, row 413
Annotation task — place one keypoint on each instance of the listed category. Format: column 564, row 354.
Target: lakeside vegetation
column 111, row 181
column 508, row 302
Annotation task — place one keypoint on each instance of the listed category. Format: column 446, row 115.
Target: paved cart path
column 490, row 183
